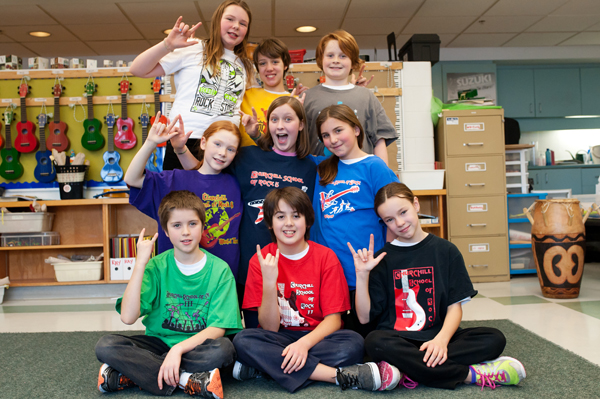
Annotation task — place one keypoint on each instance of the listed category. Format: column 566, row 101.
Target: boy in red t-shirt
column 299, row 290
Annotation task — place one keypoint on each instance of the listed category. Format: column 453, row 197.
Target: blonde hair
column 347, row 44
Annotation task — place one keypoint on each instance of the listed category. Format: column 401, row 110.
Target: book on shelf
column 428, row 219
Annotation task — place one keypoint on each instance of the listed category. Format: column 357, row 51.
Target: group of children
column 275, row 235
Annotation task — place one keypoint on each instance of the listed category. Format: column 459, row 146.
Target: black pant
column 140, row 357
column 172, row 162
column 467, row 346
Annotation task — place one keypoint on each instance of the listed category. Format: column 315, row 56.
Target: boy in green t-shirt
column 187, row 298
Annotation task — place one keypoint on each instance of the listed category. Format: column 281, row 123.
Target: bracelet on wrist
column 182, row 152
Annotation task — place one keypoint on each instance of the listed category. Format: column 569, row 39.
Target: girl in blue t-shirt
column 218, row 191
column 343, row 199
column 280, row 159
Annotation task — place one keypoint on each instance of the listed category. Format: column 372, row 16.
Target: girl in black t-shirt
column 415, row 286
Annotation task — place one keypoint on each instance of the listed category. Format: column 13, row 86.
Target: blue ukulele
column 111, row 171
column 144, row 120
column 44, row 171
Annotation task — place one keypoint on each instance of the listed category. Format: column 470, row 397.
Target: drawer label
column 16, row 217
column 452, row 120
column 477, row 207
column 479, row 247
column 475, row 167
column 474, row 127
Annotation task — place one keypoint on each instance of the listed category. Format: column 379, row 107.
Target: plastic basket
column 297, row 56
column 70, row 180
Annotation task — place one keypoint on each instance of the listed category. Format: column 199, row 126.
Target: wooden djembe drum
column 558, row 242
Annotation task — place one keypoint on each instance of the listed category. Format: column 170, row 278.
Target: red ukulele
column 156, row 87
column 125, row 138
column 57, row 138
column 26, row 140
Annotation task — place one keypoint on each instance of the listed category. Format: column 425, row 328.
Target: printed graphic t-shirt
column 308, row 289
column 260, row 99
column 412, row 287
column 205, row 96
column 222, row 202
column 175, row 307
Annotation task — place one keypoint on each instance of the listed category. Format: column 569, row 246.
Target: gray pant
column 140, row 357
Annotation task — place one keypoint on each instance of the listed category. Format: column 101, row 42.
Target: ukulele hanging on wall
column 57, row 139
column 92, row 139
column 156, row 88
column 44, row 171
column 125, row 138
column 111, row 171
column 10, row 168
column 25, row 141
column 144, row 120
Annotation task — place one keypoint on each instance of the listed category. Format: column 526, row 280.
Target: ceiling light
column 39, row 34
column 167, row 31
column 582, row 116
column 306, row 29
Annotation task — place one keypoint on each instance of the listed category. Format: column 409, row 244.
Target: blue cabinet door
column 516, row 92
column 557, row 92
column 590, row 91
column 589, row 179
column 556, row 179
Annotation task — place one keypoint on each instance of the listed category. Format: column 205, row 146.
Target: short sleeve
column 153, row 189
column 459, row 285
column 377, row 289
column 378, row 125
column 148, row 293
column 334, row 297
column 175, row 60
column 381, row 175
column 224, row 309
column 253, row 291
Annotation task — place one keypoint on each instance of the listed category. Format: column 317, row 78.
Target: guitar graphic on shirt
column 328, row 200
column 410, row 316
column 208, row 239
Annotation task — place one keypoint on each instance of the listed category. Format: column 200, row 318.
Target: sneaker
column 110, row 380
column 391, row 377
column 242, row 372
column 503, row 371
column 205, row 385
column 363, row 376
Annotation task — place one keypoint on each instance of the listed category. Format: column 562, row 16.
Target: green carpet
column 63, row 365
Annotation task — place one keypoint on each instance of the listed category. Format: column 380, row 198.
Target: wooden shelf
column 48, row 282
column 42, row 247
column 94, row 201
column 431, row 225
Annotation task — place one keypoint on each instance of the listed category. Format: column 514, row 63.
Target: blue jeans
column 140, row 357
column 262, row 349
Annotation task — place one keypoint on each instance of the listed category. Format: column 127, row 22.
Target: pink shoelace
column 488, row 379
column 406, row 382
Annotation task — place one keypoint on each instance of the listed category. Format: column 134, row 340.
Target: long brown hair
column 328, row 169
column 394, row 189
column 266, row 143
column 217, row 127
column 213, row 46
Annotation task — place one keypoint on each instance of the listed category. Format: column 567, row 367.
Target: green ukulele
column 92, row 138
column 10, row 168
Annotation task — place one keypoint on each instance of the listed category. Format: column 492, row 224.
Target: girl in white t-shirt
column 210, row 75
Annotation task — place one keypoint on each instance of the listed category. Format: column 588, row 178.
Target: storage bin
column 423, row 179
column 521, row 258
column 70, row 180
column 297, row 56
column 517, row 203
column 78, row 271
column 30, row 240
column 421, row 47
column 26, row 222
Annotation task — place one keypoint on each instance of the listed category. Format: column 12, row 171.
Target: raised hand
column 363, row 258
column 298, row 90
column 250, row 123
column 179, row 36
column 178, row 140
column 361, row 81
column 145, row 247
column 160, row 133
column 268, row 265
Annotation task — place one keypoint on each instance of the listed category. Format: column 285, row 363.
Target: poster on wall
column 468, row 86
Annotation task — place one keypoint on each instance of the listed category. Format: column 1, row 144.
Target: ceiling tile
column 21, row 33
column 527, row 7
column 75, row 13
column 481, row 40
column 453, row 8
column 579, row 7
column 155, row 31
column 437, row 25
column 374, row 26
column 260, row 9
column 261, row 28
column 18, row 49
column 24, row 15
column 367, row 42
column 446, row 38
column 503, row 24
column 5, row 39
column 123, row 47
column 309, row 9
column 564, row 23
column 383, row 8
column 538, row 39
column 105, row 32
column 583, row 39
column 162, row 12
column 287, row 27
column 61, row 49
column 594, row 28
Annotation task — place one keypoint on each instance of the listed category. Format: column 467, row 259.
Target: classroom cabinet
column 581, row 180
column 516, row 92
column 590, row 88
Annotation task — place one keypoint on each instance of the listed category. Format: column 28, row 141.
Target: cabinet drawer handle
column 472, row 144
column 531, row 108
column 477, row 225
column 546, row 174
column 478, row 266
column 475, row 184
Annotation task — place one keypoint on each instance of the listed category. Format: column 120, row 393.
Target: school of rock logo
column 218, row 94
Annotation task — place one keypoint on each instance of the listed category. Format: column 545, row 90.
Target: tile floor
column 573, row 324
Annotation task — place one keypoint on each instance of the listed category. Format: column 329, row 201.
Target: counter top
column 564, row 166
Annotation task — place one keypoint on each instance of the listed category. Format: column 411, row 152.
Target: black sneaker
column 205, row 385
column 359, row 376
column 110, row 380
column 242, row 372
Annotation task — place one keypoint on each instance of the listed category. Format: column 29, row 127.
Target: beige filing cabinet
column 470, row 145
